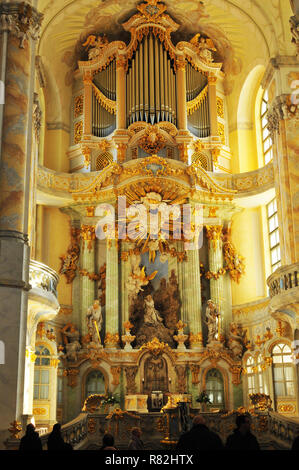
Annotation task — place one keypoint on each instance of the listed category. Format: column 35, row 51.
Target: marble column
column 112, row 295
column 190, row 293
column 87, row 268
column 125, row 271
column 215, row 264
column 283, row 126
column 19, row 28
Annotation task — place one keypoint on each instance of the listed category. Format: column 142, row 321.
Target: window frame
column 283, row 366
column 267, row 151
column 273, row 231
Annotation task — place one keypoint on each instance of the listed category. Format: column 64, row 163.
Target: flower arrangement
column 203, row 398
column 109, row 399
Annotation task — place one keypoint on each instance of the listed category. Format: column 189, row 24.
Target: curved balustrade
column 73, row 433
column 43, row 277
column 283, row 279
column 282, row 429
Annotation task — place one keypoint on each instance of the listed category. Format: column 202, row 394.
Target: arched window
column 215, row 388
column 283, row 371
column 250, row 375
column 273, row 235
column 266, row 139
column 260, row 377
column 95, row 383
column 42, row 373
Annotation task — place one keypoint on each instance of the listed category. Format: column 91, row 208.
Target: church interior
column 149, row 218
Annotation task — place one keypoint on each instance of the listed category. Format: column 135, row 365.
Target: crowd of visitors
column 198, row 438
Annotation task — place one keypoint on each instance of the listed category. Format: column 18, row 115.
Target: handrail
column 283, row 279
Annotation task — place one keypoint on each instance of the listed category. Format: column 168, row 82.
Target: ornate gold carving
column 204, row 47
column 15, row 429
column 90, row 211
column 236, row 373
column 78, row 132
column 65, row 310
column 155, row 347
column 196, row 339
column 183, row 149
column 280, row 330
column 212, row 79
column 95, row 45
column 111, row 340
column 105, row 102
column 115, row 371
column 234, row 263
column 152, row 10
column 221, row 132
column 39, row 411
column 195, row 369
column 152, row 141
column 87, row 154
column 215, row 156
column 261, row 401
column 181, row 371
column 220, row 107
column 131, row 372
column 215, row 275
column 91, row 426
column 93, row 403
column 72, row 377
column 286, row 408
column 194, row 104
column 78, row 106
column 88, row 235
column 213, row 211
column 70, row 260
column 121, row 152
column 214, row 233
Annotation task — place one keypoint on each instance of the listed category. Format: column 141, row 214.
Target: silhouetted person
column 242, row 438
column 295, row 445
column 108, row 442
column 199, row 438
column 31, row 441
column 55, row 439
column 135, row 442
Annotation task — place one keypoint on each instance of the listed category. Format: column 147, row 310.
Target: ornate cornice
column 20, row 19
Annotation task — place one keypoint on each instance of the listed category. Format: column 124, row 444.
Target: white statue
column 72, row 344
column 137, row 279
column 151, row 315
column 94, row 322
column 212, row 320
column 95, row 45
column 236, row 340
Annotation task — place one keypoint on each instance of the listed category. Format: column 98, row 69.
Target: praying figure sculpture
column 94, row 320
column 151, row 315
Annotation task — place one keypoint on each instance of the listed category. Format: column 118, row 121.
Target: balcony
column 42, row 297
column 284, row 292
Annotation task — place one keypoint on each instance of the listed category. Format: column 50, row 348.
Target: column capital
column 282, row 108
column 20, row 19
column 213, row 234
column 88, row 235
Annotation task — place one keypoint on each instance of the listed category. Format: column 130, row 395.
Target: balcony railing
column 283, row 279
column 43, row 277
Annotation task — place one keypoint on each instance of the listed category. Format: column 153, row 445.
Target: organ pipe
column 151, row 83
